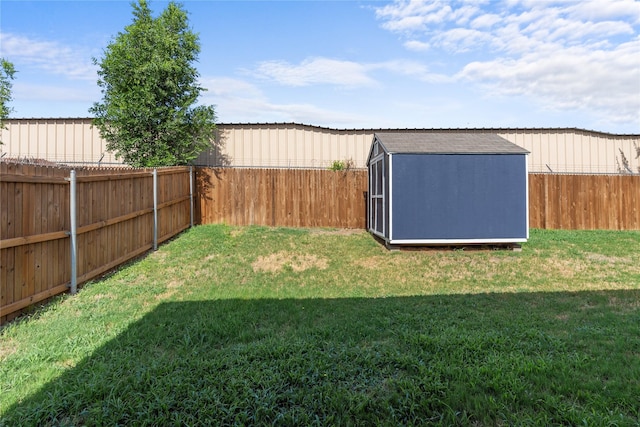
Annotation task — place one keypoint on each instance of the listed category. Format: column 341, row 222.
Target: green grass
column 273, row 326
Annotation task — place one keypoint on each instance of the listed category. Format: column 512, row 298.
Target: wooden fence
column 584, row 202
column 282, row 197
column 322, row 198
column 114, row 217
column 115, row 213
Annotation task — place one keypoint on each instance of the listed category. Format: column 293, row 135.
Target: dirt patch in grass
column 559, row 267
column 159, row 255
column 236, row 232
column 67, row 363
column 368, row 263
column 388, row 260
column 607, row 259
column 624, row 304
column 7, row 348
column 277, row 261
column 99, row 297
column 338, row 232
column 172, row 289
column 445, row 266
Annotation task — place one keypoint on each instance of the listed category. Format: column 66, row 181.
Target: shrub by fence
column 114, row 218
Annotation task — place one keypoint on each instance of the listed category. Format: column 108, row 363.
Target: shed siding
column 450, row 196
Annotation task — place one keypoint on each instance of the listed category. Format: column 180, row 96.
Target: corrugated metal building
column 287, row 145
column 71, row 141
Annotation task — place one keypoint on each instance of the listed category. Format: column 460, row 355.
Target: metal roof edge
column 373, row 130
column 432, row 129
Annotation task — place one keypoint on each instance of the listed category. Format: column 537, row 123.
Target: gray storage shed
column 432, row 188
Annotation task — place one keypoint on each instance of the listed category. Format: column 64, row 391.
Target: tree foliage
column 7, row 72
column 148, row 113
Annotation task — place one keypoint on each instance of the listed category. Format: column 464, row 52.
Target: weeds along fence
column 119, row 215
column 322, row 198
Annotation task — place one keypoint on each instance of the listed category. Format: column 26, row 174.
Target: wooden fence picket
column 115, row 213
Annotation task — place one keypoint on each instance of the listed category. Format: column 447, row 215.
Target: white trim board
column 454, row 241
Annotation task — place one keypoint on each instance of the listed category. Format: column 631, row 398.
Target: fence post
column 191, row 194
column 155, row 209
column 74, row 231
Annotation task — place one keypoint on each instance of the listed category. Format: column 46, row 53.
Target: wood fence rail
column 115, row 213
column 584, row 202
column 282, row 197
column 114, row 217
column 323, row 198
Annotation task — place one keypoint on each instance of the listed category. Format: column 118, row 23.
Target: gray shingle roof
column 447, row 143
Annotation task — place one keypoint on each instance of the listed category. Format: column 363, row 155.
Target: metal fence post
column 191, row 194
column 74, row 232
column 155, row 209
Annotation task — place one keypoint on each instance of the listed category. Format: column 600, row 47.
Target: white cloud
column 485, row 21
column 245, row 102
column 607, row 82
column 316, row 71
column 55, row 93
column 566, row 55
column 416, row 45
column 48, row 56
column 225, row 87
column 461, row 39
column 413, row 15
column 400, row 67
column 606, row 9
column 347, row 74
column 464, row 14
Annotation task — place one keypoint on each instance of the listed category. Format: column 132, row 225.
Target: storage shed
column 433, row 188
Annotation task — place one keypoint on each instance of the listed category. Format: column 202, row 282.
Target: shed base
column 458, row 247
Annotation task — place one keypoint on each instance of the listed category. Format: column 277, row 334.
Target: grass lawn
column 274, row 326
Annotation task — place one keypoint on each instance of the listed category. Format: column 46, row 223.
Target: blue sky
column 358, row 64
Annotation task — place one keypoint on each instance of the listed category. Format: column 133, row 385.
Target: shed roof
column 447, row 143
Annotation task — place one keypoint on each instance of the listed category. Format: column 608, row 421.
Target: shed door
column 377, row 198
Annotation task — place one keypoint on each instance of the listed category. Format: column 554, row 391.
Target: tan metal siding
column 295, row 145
column 290, row 145
column 57, row 140
column 571, row 151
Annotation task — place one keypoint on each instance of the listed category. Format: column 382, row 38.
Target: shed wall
column 454, row 196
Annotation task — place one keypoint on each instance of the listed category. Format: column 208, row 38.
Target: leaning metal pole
column 155, row 209
column 191, row 194
column 74, row 232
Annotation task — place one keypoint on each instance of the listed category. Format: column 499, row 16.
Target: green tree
column 7, row 72
column 148, row 113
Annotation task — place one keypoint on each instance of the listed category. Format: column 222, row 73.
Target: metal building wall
column 287, row 145
column 296, row 145
column 71, row 141
column 575, row 150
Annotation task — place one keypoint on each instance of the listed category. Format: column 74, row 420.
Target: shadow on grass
column 561, row 358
